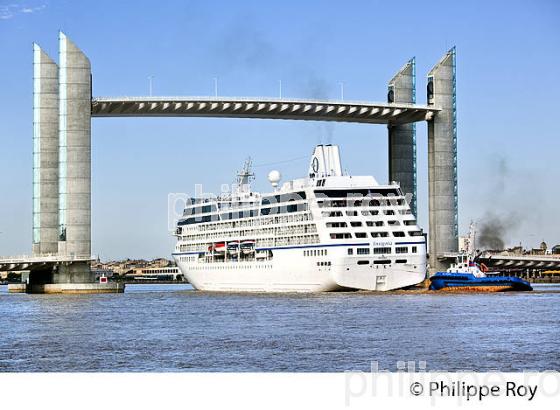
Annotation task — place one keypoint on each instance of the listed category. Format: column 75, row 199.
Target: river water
column 173, row 328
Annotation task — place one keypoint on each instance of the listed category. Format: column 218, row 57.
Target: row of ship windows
column 260, row 242
column 187, row 258
column 382, row 250
column 196, row 215
column 248, row 213
column 266, row 201
column 356, row 224
column 366, row 262
column 373, row 194
column 342, row 203
column 381, row 262
column 257, row 222
column 297, row 236
column 196, row 219
column 295, row 240
column 335, row 214
column 315, row 252
column 361, row 235
column 227, row 266
column 355, row 193
column 276, row 231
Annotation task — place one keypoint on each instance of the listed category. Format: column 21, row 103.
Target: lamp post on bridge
column 150, row 78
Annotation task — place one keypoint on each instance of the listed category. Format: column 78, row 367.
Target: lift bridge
column 63, row 108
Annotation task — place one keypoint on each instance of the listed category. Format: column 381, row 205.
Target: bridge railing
column 258, row 99
column 511, row 255
column 47, row 257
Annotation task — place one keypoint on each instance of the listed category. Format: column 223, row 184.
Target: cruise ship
column 326, row 232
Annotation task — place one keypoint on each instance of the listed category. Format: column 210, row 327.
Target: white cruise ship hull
column 325, row 232
column 289, row 271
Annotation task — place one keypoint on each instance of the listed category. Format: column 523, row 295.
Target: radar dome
column 274, row 177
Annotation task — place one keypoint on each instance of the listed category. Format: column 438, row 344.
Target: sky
column 508, row 54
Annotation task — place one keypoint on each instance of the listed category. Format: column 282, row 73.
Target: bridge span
column 287, row 109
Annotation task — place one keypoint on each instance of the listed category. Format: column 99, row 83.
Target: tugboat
column 468, row 276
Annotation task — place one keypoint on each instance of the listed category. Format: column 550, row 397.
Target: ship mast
column 245, row 176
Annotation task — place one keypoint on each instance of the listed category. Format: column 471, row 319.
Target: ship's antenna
column 245, row 176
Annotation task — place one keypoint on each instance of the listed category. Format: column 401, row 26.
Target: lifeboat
column 219, row 247
column 233, row 248
column 247, row 247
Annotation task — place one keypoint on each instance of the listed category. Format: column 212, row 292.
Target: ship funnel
column 325, row 162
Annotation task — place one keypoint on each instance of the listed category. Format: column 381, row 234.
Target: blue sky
column 508, row 54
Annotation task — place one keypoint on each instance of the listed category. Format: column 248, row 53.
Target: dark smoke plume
column 493, row 230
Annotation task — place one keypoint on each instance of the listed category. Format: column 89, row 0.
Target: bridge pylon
column 62, row 169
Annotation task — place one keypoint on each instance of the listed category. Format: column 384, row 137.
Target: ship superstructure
column 325, row 232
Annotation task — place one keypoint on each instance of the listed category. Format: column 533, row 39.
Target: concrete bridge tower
column 45, row 153
column 442, row 161
column 402, row 137
column 74, row 206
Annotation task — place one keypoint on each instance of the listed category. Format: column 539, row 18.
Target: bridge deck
column 289, row 109
column 505, row 261
column 25, row 262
